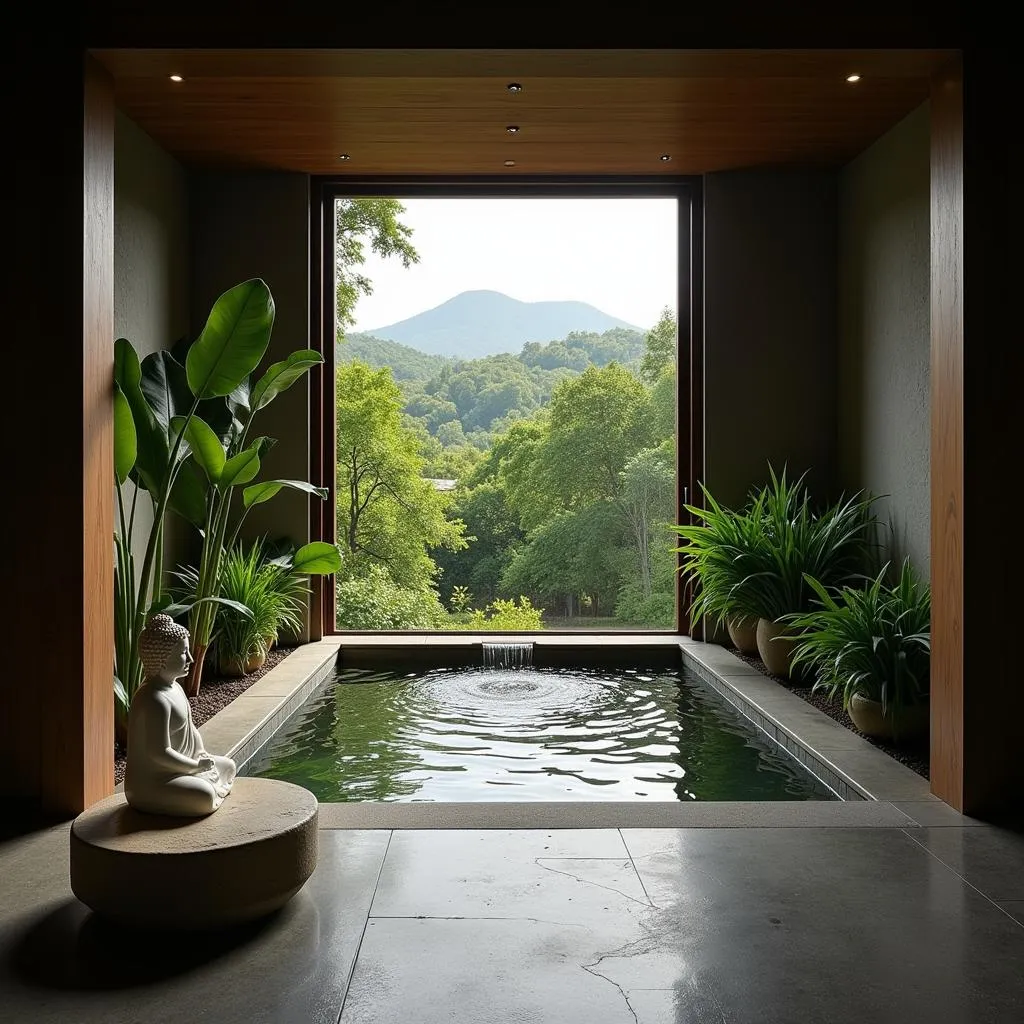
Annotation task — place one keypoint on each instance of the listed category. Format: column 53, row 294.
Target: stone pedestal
column 245, row 860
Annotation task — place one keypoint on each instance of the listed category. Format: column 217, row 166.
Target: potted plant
column 872, row 647
column 183, row 428
column 714, row 558
column 264, row 598
column 795, row 544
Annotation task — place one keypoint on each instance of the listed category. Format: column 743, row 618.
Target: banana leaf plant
column 188, row 424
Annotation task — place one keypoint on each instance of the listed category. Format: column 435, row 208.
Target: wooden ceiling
column 435, row 112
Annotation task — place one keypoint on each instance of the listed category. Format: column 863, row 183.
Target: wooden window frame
column 324, row 191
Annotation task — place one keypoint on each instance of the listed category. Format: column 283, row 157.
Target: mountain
column 481, row 323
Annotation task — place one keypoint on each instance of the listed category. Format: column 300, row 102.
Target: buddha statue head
column 163, row 649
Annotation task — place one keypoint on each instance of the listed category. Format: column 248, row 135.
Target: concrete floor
column 918, row 916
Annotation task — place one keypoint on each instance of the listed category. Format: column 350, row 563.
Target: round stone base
column 245, row 860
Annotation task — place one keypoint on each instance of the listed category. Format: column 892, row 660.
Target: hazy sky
column 617, row 254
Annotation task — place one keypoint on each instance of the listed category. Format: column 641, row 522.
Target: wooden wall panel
column 977, row 368
column 947, row 454
column 96, row 724
column 56, row 720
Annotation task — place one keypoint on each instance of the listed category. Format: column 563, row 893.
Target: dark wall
column 770, row 326
column 247, row 225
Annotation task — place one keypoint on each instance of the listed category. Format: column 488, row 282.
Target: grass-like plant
column 795, row 544
column 716, row 556
column 873, row 641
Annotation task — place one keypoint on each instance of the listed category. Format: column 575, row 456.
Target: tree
column 387, row 513
column 660, row 347
column 356, row 221
column 597, row 421
column 645, row 497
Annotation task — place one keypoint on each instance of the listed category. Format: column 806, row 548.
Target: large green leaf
column 281, row 376
column 207, row 448
column 266, row 489
column 188, row 495
column 233, row 341
column 241, row 468
column 165, row 387
column 174, row 610
column 151, row 438
column 316, row 559
column 125, row 438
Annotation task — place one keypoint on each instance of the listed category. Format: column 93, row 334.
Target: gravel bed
column 215, row 694
column 913, row 755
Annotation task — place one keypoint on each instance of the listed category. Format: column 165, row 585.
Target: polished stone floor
column 916, row 917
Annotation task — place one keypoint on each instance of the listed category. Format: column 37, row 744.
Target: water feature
column 510, row 655
column 528, row 734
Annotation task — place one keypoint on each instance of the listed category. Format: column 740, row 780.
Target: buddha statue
column 168, row 770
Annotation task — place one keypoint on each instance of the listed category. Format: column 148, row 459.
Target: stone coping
column 615, row 814
column 845, row 762
column 255, row 715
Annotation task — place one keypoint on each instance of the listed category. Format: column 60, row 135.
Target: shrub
column 506, row 615
column 656, row 611
column 374, row 601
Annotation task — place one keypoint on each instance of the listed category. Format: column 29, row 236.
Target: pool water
column 527, row 735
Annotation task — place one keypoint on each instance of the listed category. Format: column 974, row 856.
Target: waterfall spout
column 499, row 655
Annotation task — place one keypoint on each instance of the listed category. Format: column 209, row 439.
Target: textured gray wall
column 770, row 319
column 151, row 267
column 247, row 225
column 884, row 420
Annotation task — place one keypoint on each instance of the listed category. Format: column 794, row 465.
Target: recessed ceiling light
column 344, row 156
column 665, row 157
column 853, row 78
column 512, row 129
column 510, row 163
column 514, row 87
column 177, row 78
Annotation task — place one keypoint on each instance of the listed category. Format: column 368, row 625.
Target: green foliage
column 246, row 578
column 660, row 348
column 190, row 422
column 716, row 556
column 357, row 221
column 374, row 601
column 405, row 363
column 387, row 513
column 873, row 641
column 834, row 548
column 657, row 610
column 506, row 615
column 757, row 562
column 461, row 600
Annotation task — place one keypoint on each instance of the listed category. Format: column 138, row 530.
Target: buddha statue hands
column 169, row 771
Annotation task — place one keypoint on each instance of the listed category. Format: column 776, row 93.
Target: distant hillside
column 405, row 363
column 482, row 323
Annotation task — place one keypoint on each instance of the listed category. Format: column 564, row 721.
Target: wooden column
column 976, row 551
column 56, row 728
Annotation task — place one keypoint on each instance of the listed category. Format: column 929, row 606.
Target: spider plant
column 874, row 641
column 245, row 577
column 715, row 556
column 834, row 548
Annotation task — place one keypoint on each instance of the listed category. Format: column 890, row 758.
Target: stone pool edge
column 845, row 762
column 254, row 717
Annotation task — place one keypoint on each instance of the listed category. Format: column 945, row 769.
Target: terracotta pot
column 255, row 661
column 911, row 723
column 743, row 633
column 233, row 668
column 775, row 644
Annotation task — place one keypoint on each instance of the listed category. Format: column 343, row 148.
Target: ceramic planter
column 743, row 633
column 911, row 722
column 775, row 645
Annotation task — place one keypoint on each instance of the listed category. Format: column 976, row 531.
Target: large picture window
column 502, row 398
